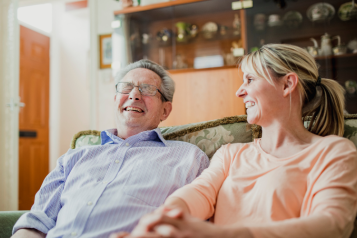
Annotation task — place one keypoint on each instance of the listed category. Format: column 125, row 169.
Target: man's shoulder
column 81, row 151
column 176, row 143
column 184, row 147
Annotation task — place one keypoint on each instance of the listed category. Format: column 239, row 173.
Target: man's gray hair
column 167, row 84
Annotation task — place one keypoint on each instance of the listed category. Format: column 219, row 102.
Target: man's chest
column 146, row 174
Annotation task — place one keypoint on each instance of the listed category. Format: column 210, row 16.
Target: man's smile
column 133, row 109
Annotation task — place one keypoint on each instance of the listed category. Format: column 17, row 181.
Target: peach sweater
column 310, row 194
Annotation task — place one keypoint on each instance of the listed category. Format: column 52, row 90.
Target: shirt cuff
column 36, row 220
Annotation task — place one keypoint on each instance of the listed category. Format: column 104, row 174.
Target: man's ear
column 167, row 110
column 290, row 81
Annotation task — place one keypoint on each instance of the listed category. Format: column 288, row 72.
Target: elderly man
column 97, row 190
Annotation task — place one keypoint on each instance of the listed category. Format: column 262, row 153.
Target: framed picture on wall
column 105, row 47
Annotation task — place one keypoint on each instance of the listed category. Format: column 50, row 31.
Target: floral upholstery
column 211, row 135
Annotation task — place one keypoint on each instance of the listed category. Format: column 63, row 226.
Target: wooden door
column 205, row 95
column 34, row 117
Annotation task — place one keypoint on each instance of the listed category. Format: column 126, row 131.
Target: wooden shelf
column 154, row 6
column 177, row 71
column 335, row 56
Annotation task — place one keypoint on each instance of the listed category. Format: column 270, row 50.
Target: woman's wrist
column 236, row 232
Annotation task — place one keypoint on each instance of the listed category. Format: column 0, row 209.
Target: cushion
column 209, row 136
column 7, row 221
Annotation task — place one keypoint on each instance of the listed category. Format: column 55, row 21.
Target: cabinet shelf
column 197, row 40
column 335, row 56
column 176, row 71
column 154, row 6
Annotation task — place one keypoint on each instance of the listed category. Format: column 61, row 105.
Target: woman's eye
column 249, row 81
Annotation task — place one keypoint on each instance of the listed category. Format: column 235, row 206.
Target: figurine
column 179, row 63
column 126, row 3
column 236, row 25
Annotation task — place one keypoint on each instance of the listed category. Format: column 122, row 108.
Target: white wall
column 105, row 82
column 70, row 79
column 70, row 84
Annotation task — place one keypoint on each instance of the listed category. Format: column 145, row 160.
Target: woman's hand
column 178, row 224
column 174, row 223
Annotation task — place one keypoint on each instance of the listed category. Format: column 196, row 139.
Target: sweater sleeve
column 330, row 204
column 200, row 196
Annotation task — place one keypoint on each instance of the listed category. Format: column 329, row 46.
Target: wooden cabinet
column 201, row 94
column 205, row 95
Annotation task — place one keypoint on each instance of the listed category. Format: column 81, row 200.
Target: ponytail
column 327, row 113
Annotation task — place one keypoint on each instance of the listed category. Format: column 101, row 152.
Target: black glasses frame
column 140, row 90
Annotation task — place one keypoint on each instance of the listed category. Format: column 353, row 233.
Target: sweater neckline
column 257, row 143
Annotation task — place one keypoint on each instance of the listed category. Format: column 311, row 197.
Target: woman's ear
column 290, row 83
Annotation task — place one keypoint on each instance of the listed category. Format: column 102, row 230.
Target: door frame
column 9, row 104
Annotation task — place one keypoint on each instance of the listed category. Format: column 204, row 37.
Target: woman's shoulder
column 334, row 148
column 337, row 142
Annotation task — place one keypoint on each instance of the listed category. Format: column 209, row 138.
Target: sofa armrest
column 7, row 222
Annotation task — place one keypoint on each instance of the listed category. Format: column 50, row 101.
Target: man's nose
column 241, row 92
column 135, row 94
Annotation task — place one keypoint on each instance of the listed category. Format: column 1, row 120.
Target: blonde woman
column 293, row 182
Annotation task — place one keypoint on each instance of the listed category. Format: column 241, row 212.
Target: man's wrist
column 28, row 233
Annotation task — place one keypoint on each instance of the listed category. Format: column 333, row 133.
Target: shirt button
column 117, row 161
column 89, row 203
column 104, row 182
column 127, row 144
column 73, row 234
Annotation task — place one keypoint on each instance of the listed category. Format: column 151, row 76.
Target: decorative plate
column 322, row 11
column 292, row 19
column 347, row 11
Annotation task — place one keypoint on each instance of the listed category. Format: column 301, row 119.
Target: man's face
column 138, row 112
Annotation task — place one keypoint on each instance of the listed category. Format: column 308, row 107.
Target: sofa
column 208, row 136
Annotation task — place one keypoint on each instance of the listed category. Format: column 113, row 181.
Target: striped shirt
column 97, row 190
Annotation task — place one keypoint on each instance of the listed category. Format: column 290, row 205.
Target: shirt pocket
column 152, row 182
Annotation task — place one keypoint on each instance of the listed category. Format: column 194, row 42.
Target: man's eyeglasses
column 145, row 89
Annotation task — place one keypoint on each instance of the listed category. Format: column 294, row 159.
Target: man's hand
column 28, row 233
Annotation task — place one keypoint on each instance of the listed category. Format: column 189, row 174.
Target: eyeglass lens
column 145, row 89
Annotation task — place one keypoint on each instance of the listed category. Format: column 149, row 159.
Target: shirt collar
column 110, row 136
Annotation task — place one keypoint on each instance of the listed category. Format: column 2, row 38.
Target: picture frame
column 105, row 51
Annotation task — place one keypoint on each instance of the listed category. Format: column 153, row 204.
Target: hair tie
column 318, row 82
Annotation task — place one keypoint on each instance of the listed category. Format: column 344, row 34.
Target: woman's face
column 262, row 100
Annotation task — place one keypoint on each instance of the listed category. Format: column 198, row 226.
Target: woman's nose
column 241, row 92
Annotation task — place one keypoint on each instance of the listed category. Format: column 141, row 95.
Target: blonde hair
column 323, row 101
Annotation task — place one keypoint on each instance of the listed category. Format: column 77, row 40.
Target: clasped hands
column 172, row 222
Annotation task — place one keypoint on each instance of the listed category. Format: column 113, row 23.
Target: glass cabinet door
column 206, row 34
column 201, row 34
column 328, row 30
